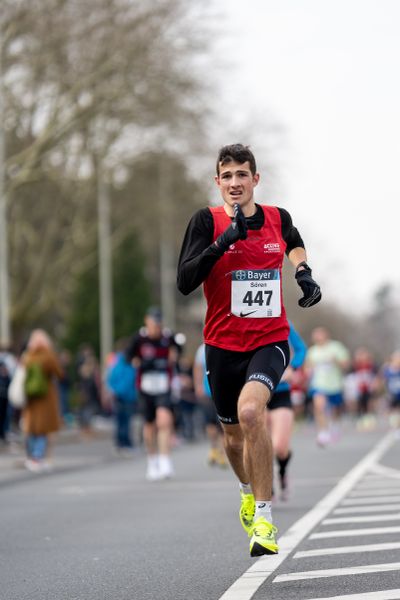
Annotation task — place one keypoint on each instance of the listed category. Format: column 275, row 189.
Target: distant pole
column 167, row 267
column 5, row 336
column 105, row 267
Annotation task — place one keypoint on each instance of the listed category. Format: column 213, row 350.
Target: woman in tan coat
column 41, row 416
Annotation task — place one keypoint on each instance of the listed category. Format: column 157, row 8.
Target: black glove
column 236, row 231
column 310, row 288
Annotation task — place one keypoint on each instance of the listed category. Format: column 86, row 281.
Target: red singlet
column 264, row 249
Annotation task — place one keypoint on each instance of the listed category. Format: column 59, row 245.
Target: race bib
column 154, row 383
column 256, row 294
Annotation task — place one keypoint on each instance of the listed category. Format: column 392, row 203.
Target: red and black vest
column 263, row 249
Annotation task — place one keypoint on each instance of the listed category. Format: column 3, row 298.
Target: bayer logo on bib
column 256, row 294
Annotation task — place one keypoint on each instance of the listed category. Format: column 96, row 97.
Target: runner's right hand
column 236, row 231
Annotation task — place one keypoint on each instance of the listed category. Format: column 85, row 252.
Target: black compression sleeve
column 290, row 234
column 198, row 254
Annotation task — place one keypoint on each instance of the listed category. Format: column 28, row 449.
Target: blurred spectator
column 41, row 415
column 391, row 377
column 88, row 386
column 65, row 386
column 121, row 381
column 7, row 368
column 327, row 360
column 5, row 379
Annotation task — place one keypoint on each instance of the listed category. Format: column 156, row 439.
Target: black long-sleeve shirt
column 199, row 254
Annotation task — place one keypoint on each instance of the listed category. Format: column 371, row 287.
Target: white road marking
column 364, row 519
column 317, row 481
column 384, row 483
column 355, row 532
column 336, row 572
column 347, row 550
column 386, row 471
column 366, row 509
column 380, row 595
column 371, row 500
column 380, row 492
column 247, row 585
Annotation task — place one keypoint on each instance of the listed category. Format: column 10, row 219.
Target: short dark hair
column 236, row 153
column 154, row 312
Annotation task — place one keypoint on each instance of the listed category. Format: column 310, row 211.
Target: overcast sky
column 327, row 71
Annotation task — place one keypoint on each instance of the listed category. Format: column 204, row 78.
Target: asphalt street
column 94, row 529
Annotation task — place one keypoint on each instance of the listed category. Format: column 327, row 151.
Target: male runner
column 280, row 415
column 327, row 361
column 154, row 352
column 236, row 251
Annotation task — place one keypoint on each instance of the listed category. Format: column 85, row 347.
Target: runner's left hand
column 310, row 288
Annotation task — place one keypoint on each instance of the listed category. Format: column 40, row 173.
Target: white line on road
column 247, row 585
column 382, row 492
column 371, row 500
column 387, row 483
column 366, row 509
column 380, row 595
column 347, row 550
column 364, row 519
column 355, row 532
column 386, row 471
column 336, row 572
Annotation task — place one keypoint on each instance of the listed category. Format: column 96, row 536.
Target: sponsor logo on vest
column 247, row 275
column 272, row 247
column 243, row 314
column 233, row 250
column 241, row 275
column 262, row 378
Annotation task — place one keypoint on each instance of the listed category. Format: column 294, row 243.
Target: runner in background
column 298, row 392
column 154, row 352
column 365, row 372
column 216, row 453
column 279, row 413
column 327, row 361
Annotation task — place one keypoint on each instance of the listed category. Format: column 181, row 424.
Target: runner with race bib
column 153, row 351
column 236, row 251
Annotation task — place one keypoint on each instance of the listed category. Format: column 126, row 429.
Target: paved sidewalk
column 70, row 450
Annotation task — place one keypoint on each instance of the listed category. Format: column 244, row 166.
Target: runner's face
column 153, row 326
column 236, row 183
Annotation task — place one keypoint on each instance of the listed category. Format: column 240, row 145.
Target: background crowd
column 65, row 391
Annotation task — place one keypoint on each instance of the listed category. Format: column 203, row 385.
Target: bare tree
column 85, row 83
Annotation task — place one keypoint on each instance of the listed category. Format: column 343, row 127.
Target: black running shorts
column 280, row 400
column 228, row 371
column 148, row 405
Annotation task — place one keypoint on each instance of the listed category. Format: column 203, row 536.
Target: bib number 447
column 256, row 294
column 262, row 298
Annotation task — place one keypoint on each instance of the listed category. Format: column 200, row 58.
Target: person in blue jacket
column 280, row 415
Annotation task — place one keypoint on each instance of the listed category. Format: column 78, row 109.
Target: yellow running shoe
column 247, row 510
column 213, row 456
column 263, row 538
column 221, row 460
